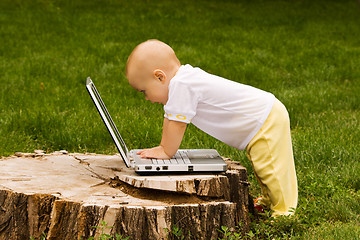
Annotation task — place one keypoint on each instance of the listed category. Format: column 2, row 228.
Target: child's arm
column 172, row 135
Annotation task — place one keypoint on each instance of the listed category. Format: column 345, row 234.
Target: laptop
column 184, row 161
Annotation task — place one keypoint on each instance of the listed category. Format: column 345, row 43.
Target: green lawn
column 305, row 52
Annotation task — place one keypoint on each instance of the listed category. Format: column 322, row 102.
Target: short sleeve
column 182, row 103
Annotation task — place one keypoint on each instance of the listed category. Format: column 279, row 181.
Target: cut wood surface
column 65, row 194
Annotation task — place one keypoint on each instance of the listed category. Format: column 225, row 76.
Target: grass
column 305, row 52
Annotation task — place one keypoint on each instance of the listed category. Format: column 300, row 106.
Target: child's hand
column 156, row 152
column 173, row 133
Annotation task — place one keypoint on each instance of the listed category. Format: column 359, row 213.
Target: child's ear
column 159, row 74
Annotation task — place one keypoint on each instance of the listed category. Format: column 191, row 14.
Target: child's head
column 149, row 69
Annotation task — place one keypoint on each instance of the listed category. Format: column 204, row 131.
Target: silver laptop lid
column 119, row 142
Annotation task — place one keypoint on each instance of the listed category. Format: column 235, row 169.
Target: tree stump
column 66, row 195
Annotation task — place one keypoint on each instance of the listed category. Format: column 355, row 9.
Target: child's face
column 149, row 69
column 154, row 89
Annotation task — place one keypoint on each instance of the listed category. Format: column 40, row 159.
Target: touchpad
column 203, row 153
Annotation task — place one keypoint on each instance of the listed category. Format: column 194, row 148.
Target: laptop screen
column 119, row 142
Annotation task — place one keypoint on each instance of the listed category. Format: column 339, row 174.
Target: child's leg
column 270, row 152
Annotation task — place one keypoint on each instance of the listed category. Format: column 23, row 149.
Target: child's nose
column 147, row 99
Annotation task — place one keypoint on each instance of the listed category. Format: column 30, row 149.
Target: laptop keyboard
column 179, row 158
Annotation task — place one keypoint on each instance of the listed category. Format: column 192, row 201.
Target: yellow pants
column 271, row 155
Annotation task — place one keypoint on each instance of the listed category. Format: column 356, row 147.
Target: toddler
column 239, row 115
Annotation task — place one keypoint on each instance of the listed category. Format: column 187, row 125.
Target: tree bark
column 65, row 195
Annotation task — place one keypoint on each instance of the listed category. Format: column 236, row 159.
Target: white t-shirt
column 229, row 111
